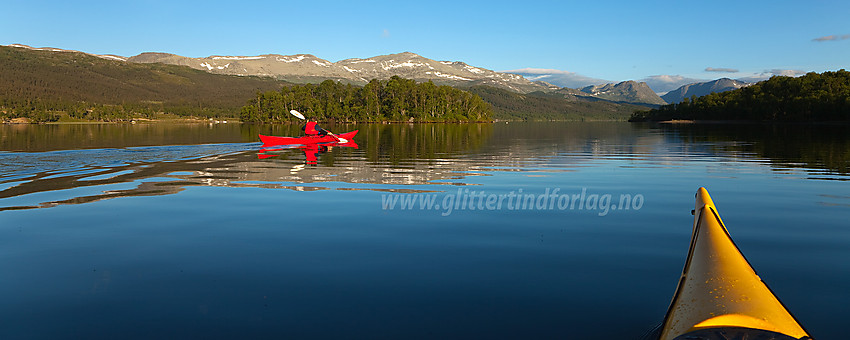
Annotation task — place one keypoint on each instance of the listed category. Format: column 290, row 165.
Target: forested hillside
column 509, row 105
column 44, row 85
column 810, row 98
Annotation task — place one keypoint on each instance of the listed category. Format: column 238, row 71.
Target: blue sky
column 582, row 42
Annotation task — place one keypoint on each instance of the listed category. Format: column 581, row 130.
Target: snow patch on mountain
column 473, row 69
column 211, row 67
column 291, row 59
column 387, row 65
column 447, row 76
column 238, row 58
column 323, row 64
column 112, row 57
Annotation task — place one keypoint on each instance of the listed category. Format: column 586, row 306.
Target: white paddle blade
column 343, row 140
column 297, row 114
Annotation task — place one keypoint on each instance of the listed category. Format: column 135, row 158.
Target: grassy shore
column 157, row 118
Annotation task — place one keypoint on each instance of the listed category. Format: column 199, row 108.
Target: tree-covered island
column 394, row 100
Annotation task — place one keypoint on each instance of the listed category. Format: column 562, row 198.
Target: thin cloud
column 721, row 69
column 664, row 83
column 558, row 77
column 789, row 73
column 773, row 72
column 832, row 38
column 385, row 34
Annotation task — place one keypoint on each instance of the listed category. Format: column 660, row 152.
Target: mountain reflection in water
column 397, row 158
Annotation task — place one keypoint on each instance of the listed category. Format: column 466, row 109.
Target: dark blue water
column 219, row 240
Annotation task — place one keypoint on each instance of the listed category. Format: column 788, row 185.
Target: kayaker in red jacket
column 313, row 129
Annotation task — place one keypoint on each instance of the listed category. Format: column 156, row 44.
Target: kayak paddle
column 301, row 117
column 297, row 114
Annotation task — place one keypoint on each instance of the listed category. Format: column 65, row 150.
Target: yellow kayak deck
column 719, row 290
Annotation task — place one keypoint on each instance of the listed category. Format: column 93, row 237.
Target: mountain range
column 43, row 85
column 677, row 87
column 701, row 89
column 306, row 68
column 632, row 91
column 303, row 68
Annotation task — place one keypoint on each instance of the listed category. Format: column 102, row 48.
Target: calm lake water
column 174, row 231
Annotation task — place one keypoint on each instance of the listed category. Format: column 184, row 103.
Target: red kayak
column 272, row 140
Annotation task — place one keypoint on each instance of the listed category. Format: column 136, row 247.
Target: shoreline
column 743, row 122
column 230, row 121
column 25, row 121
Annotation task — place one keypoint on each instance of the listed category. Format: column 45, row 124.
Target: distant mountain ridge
column 628, row 92
column 303, row 68
column 307, row 68
column 51, row 49
column 701, row 89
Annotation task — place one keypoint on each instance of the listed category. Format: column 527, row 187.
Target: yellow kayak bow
column 719, row 295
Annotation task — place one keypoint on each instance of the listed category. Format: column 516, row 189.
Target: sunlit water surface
column 161, row 231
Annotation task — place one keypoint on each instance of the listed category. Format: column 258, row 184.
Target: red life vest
column 310, row 129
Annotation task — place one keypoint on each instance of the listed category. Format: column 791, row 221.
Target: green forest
column 394, row 100
column 814, row 97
